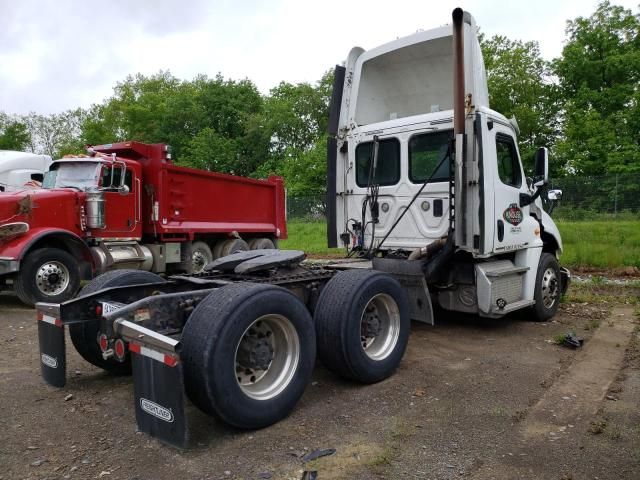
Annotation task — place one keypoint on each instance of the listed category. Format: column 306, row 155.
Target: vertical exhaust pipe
column 458, row 71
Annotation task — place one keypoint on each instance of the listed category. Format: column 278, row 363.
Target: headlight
column 9, row 230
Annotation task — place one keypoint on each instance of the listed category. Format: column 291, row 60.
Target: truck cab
column 419, row 162
column 20, row 170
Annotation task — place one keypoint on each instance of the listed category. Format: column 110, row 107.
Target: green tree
column 211, row 151
column 55, row 134
column 14, row 134
column 520, row 86
column 295, row 117
column 599, row 77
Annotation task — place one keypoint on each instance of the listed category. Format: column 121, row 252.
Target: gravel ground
column 463, row 404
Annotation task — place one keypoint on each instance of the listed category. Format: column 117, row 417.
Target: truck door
column 513, row 226
column 121, row 215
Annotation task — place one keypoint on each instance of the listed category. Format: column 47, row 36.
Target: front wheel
column 47, row 275
column 548, row 288
column 248, row 352
column 362, row 325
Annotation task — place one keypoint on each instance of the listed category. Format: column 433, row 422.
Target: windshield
column 81, row 175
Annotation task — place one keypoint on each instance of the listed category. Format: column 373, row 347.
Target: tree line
column 584, row 105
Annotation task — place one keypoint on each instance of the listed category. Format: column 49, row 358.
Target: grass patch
column 599, row 244
column 310, row 237
column 589, row 292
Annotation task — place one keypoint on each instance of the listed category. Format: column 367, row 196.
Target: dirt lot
column 473, row 398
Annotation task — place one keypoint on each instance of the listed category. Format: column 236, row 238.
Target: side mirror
column 123, row 190
column 541, row 167
column 554, row 195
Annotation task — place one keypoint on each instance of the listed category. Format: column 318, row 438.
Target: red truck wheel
column 47, row 275
column 230, row 246
column 200, row 256
column 85, row 335
column 261, row 244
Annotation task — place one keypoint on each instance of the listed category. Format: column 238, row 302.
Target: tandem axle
column 242, row 331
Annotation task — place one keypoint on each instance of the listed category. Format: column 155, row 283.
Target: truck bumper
column 9, row 265
column 565, row 280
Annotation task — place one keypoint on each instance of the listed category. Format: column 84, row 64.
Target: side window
column 106, row 177
column 508, row 163
column 388, row 167
column 425, row 152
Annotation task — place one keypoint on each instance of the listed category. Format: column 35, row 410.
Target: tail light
column 120, row 349
column 103, row 341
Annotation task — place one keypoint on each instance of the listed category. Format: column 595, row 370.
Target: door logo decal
column 513, row 215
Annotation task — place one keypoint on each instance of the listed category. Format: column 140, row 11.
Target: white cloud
column 63, row 54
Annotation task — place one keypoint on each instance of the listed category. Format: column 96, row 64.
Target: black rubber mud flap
column 53, row 359
column 160, row 399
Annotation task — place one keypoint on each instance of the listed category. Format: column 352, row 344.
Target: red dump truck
column 126, row 205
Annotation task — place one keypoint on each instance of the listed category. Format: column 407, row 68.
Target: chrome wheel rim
column 52, row 278
column 267, row 357
column 380, row 327
column 550, row 287
column 199, row 259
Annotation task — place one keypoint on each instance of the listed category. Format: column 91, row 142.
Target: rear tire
column 201, row 256
column 226, row 345
column 362, row 325
column 547, row 291
column 261, row 244
column 230, row 246
column 84, row 336
column 47, row 275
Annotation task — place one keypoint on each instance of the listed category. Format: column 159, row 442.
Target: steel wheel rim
column 383, row 315
column 550, row 287
column 282, row 337
column 52, row 278
column 199, row 261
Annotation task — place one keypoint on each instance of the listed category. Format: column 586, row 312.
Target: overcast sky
column 61, row 54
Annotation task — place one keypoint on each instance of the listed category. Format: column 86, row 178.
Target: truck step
column 502, row 272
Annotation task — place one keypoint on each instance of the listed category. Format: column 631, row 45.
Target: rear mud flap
column 53, row 360
column 160, row 399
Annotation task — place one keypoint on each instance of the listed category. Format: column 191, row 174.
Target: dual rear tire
column 249, row 350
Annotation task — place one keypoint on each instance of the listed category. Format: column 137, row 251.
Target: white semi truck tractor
column 22, row 170
column 425, row 189
column 421, row 166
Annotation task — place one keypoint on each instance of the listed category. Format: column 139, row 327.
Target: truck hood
column 58, row 208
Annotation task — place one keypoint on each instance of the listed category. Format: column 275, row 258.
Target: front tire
column 547, row 290
column 47, row 275
column 362, row 325
column 84, row 336
column 248, row 352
